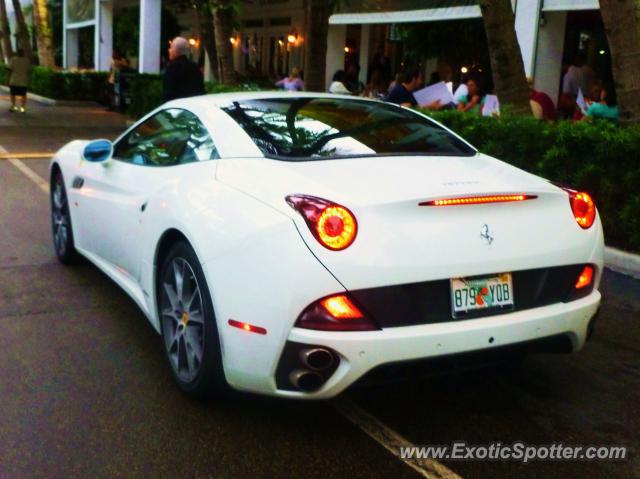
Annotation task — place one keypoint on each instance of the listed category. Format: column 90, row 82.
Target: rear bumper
column 361, row 352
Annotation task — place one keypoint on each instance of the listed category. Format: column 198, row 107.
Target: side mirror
column 97, row 151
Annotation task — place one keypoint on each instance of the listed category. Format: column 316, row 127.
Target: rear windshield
column 299, row 129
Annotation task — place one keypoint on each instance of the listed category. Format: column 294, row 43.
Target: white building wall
column 104, row 35
column 549, row 57
column 527, row 20
column 149, row 49
column 336, row 39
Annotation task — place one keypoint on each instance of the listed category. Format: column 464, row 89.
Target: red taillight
column 333, row 225
column 476, row 200
column 250, row 328
column 583, row 207
column 335, row 313
column 585, row 278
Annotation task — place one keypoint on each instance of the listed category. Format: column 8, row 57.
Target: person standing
column 182, row 77
column 19, row 77
column 118, row 63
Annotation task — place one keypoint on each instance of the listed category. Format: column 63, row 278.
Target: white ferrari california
column 293, row 244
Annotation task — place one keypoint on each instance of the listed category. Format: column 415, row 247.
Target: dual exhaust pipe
column 315, row 361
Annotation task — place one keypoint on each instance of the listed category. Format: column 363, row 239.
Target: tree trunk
column 43, row 34
column 207, row 32
column 22, row 32
column 5, row 32
column 315, row 53
column 622, row 25
column 509, row 79
column 223, row 27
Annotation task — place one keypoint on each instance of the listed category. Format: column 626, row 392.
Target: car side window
column 171, row 137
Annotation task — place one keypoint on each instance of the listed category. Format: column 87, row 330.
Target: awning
column 568, row 5
column 404, row 11
column 423, row 15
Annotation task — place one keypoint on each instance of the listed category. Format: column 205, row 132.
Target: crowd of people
column 583, row 96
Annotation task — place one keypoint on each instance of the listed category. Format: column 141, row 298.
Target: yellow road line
column 26, row 156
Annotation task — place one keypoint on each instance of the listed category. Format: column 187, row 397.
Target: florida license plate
column 489, row 292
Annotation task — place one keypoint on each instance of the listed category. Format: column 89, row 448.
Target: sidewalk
column 44, row 128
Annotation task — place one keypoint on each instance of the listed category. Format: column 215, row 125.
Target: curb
column 622, row 262
column 51, row 102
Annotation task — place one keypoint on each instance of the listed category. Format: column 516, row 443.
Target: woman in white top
column 337, row 84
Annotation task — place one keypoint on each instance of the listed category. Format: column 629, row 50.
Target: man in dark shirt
column 182, row 77
column 401, row 94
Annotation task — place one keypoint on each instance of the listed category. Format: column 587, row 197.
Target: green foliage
column 146, row 92
column 60, row 85
column 126, row 30
column 598, row 157
column 458, row 42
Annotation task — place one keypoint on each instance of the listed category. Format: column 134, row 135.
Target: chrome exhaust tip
column 305, row 380
column 317, row 359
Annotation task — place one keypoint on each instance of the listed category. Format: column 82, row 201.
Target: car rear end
column 438, row 255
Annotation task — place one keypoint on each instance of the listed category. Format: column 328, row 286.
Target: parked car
column 293, row 244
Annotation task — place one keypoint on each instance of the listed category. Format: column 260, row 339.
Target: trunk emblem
column 486, row 234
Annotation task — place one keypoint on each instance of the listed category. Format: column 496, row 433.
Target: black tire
column 184, row 335
column 61, row 230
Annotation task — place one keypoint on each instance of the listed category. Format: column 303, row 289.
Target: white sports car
column 293, row 244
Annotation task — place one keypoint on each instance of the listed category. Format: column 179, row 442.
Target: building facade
column 271, row 35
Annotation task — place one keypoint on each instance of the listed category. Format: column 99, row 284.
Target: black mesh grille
column 430, row 301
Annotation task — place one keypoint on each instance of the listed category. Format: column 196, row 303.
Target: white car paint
column 264, row 267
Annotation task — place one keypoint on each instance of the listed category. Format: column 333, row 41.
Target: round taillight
column 333, row 225
column 584, row 209
column 336, row 227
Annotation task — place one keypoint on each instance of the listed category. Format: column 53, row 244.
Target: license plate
column 489, row 292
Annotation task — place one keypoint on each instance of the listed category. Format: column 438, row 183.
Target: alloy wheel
column 182, row 319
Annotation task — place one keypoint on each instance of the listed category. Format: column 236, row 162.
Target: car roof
column 219, row 99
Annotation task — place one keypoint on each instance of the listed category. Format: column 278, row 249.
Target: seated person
column 542, row 106
column 338, row 83
column 473, row 100
column 401, row 93
column 607, row 107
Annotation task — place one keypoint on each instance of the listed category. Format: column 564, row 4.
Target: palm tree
column 224, row 13
column 43, row 34
column 5, row 33
column 315, row 53
column 622, row 24
column 22, row 32
column 509, row 78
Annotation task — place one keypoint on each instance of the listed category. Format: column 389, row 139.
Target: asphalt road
column 85, row 392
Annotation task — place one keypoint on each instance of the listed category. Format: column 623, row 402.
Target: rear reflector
column 247, row 327
column 475, row 200
column 585, row 277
